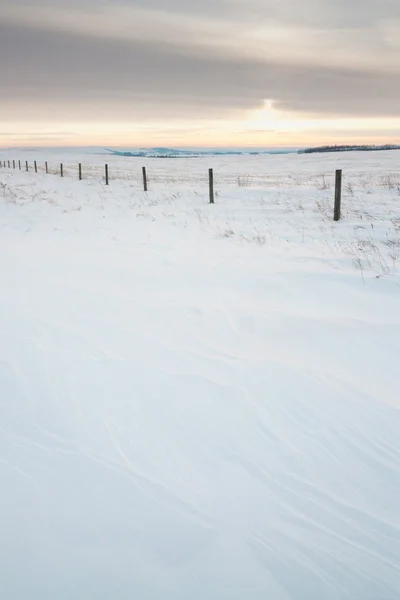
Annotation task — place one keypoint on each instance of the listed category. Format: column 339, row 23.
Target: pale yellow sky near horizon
column 255, row 131
column 220, row 73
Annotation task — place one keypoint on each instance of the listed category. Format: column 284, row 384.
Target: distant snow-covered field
column 200, row 401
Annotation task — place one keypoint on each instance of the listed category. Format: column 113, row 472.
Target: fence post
column 211, row 185
column 46, row 167
column 80, row 172
column 338, row 195
column 144, row 178
column 106, row 174
column 35, row 164
column 13, row 164
column 61, row 170
column 8, row 164
column 19, row 165
column 27, row 166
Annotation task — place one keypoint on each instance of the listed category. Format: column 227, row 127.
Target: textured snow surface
column 201, row 402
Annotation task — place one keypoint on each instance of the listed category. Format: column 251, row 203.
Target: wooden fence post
column 80, row 172
column 8, row 164
column 144, row 178
column 211, row 185
column 46, row 167
column 35, row 164
column 338, row 195
column 106, row 169
column 13, row 164
column 27, row 166
column 19, row 165
column 61, row 170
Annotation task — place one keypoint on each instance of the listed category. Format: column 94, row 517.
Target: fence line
column 337, row 194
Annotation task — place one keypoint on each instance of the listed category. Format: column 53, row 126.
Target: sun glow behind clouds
column 264, row 127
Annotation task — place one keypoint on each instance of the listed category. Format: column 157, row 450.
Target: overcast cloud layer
column 161, row 59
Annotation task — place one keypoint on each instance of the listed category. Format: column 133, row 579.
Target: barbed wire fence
column 161, row 174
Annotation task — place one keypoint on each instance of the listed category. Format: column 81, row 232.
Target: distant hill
column 345, row 148
column 182, row 153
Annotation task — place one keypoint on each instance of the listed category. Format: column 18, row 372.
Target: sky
column 257, row 73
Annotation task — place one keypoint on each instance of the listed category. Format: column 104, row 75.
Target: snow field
column 201, row 401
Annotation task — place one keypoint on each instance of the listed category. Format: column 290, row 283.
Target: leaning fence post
column 211, row 185
column 80, row 172
column 106, row 170
column 46, row 167
column 338, row 195
column 35, row 164
column 61, row 170
column 27, row 166
column 144, row 178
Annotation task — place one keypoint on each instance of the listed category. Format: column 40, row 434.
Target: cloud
column 320, row 13
column 217, row 59
column 102, row 77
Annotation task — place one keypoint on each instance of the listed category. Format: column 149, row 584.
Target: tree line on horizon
column 347, row 148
